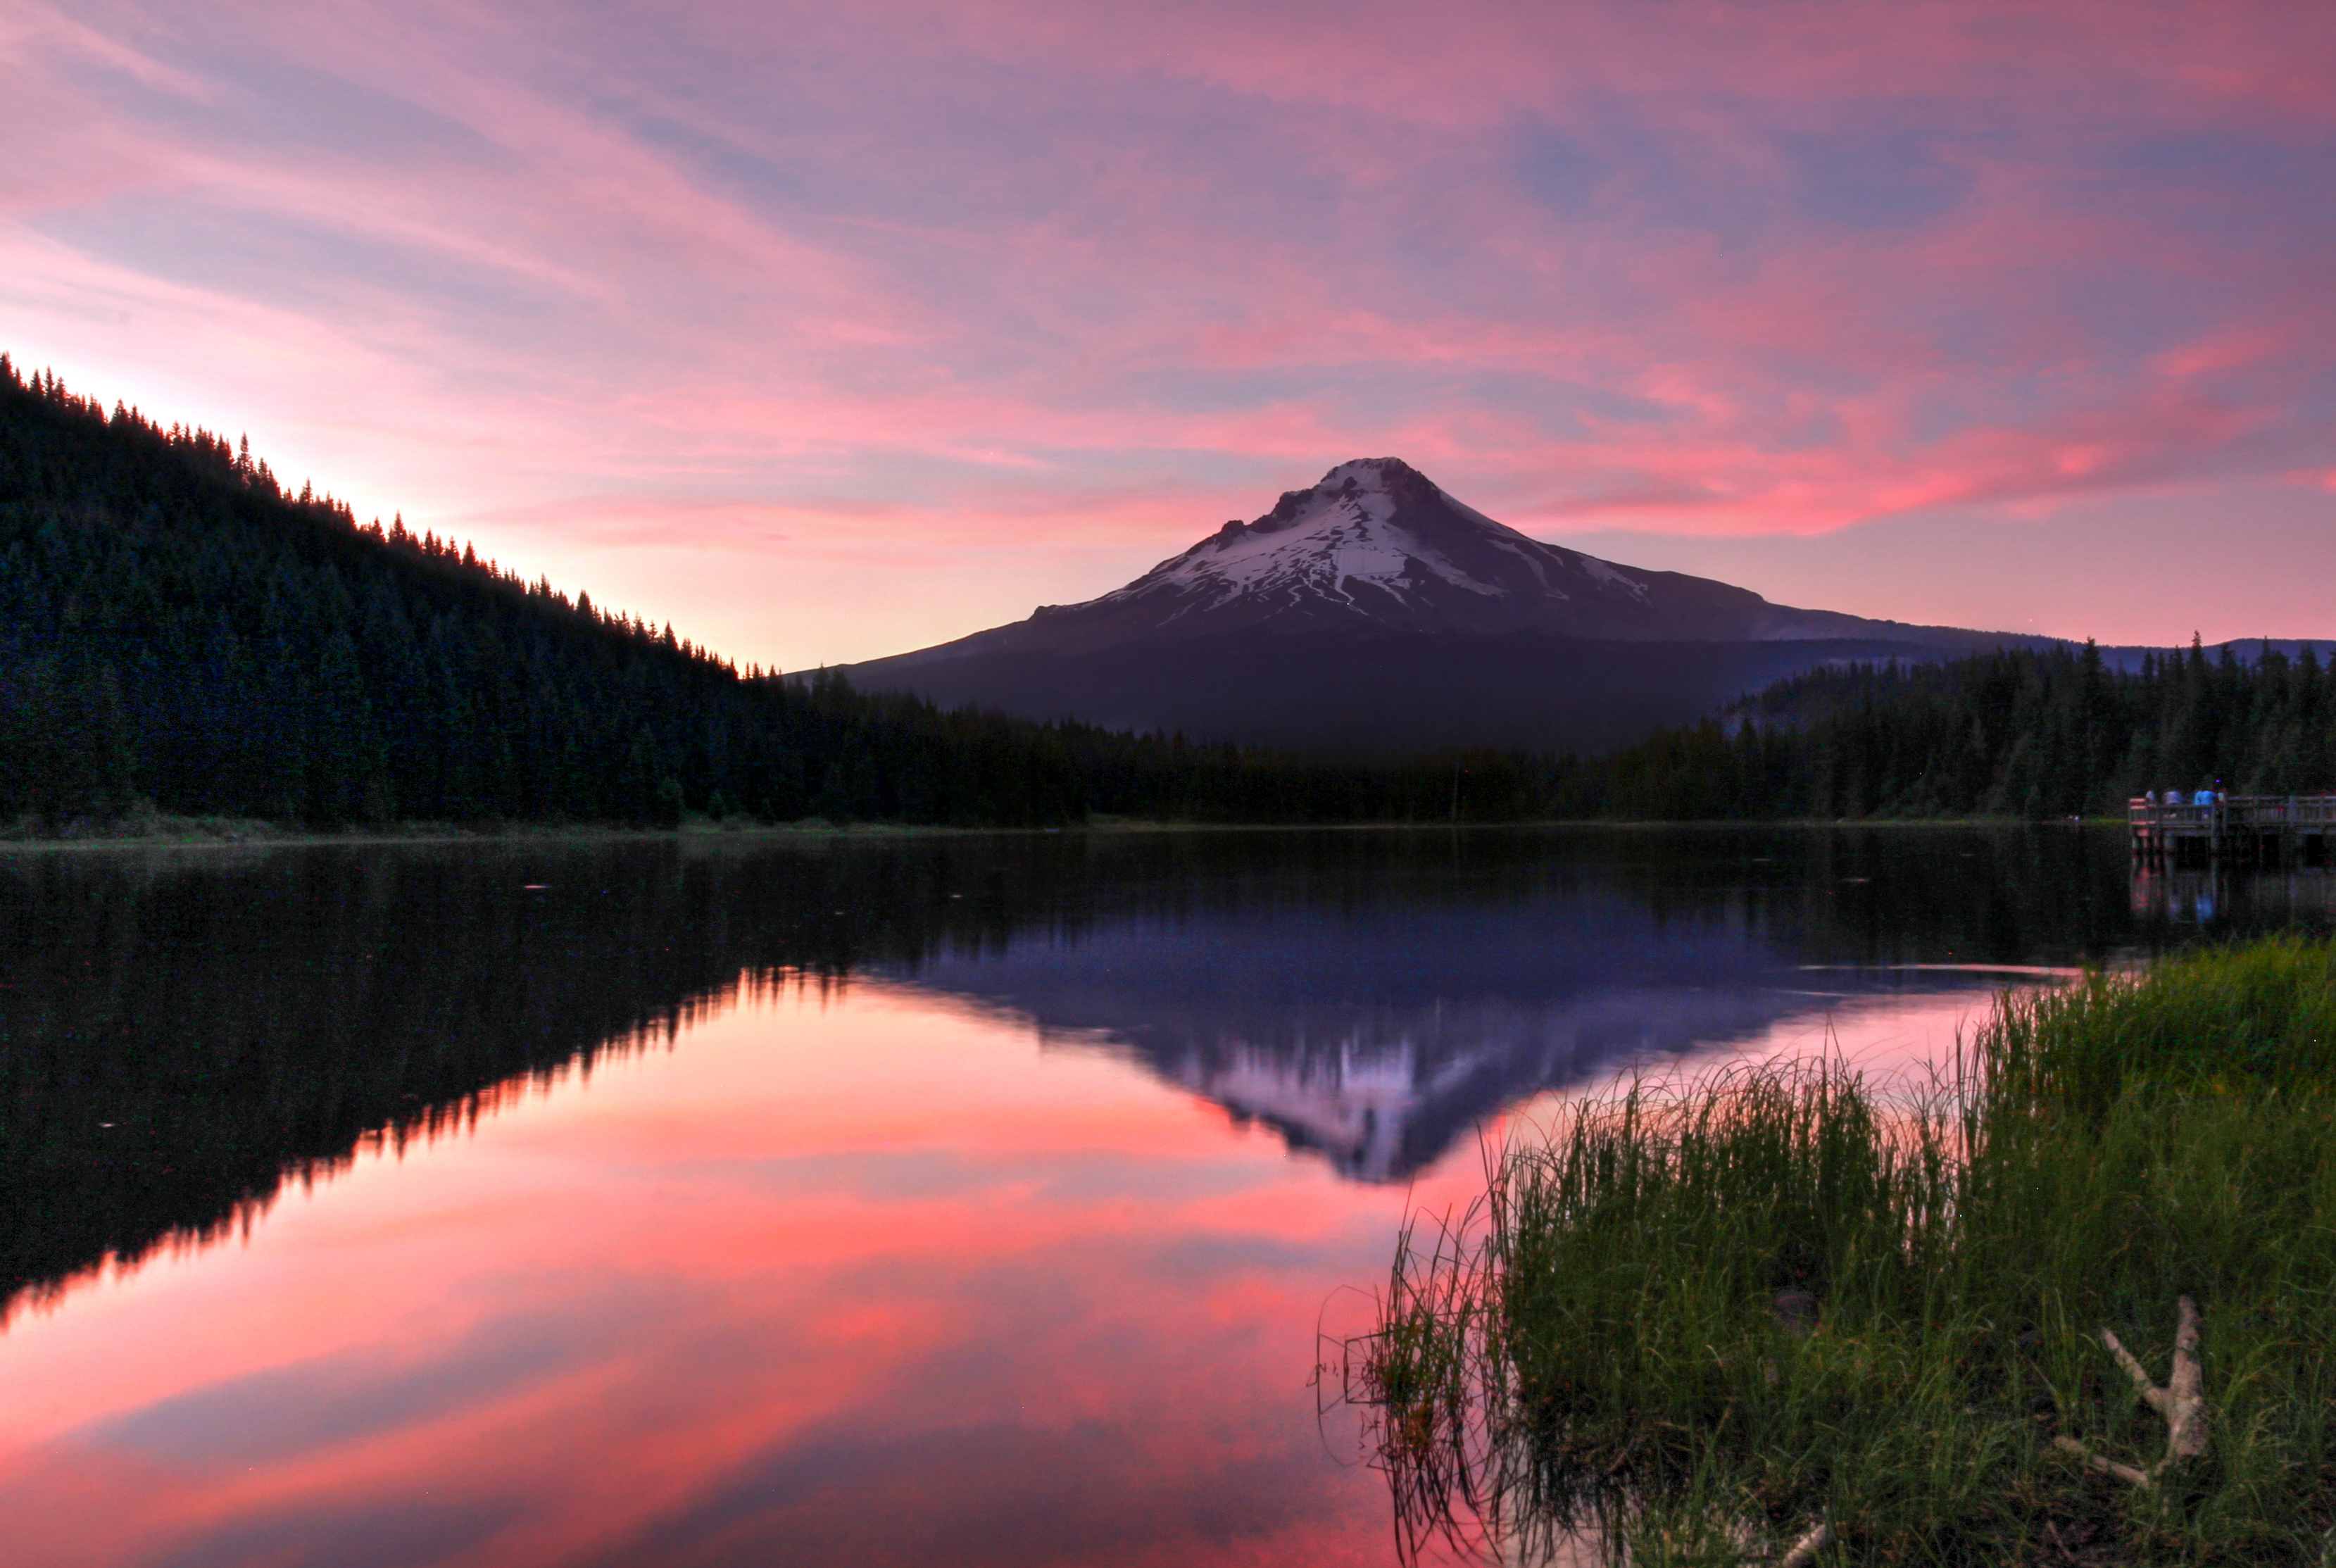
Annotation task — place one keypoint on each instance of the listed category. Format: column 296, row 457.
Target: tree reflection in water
column 187, row 1030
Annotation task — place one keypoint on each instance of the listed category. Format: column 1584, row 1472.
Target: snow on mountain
column 1375, row 539
column 1341, row 532
column 1373, row 610
column 1377, row 546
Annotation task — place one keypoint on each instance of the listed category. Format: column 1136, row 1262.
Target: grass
column 1701, row 1320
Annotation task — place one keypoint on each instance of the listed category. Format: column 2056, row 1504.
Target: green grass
column 1601, row 1344
column 2259, row 1017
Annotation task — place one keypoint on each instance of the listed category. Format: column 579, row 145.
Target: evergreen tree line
column 2030, row 734
column 178, row 628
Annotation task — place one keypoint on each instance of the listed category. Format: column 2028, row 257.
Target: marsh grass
column 1689, row 1322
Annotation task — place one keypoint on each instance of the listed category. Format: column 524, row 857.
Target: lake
column 965, row 1199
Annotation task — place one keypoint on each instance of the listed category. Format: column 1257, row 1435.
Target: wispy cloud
column 1078, row 282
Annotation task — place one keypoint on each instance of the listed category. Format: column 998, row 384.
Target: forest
column 178, row 628
column 181, row 633
column 2021, row 733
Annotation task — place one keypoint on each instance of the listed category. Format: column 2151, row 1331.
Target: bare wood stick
column 2143, row 1383
column 2185, row 1391
column 2183, row 1402
column 1805, row 1550
column 2107, row 1466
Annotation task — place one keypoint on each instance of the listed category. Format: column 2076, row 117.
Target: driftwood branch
column 2182, row 1402
column 1805, row 1550
column 2106, row 1466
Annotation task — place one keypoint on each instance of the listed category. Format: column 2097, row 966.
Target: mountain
column 1378, row 545
column 1375, row 610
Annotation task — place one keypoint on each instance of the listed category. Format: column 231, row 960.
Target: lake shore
column 159, row 832
column 1787, row 1305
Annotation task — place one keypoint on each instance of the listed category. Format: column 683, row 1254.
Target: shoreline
column 225, row 834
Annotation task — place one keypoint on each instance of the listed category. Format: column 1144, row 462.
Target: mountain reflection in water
column 1378, row 1036
column 184, row 1032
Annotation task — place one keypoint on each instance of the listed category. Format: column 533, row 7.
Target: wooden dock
column 2251, row 830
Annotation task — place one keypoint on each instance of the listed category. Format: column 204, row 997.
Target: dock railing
column 2256, row 826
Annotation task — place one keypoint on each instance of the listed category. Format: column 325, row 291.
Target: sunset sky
column 830, row 331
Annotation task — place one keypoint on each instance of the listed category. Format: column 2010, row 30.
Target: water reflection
column 2207, row 897
column 853, row 1280
column 711, row 1203
column 185, row 1033
column 1377, row 1038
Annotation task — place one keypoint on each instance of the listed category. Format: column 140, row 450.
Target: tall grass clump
column 1785, row 1314
column 2257, row 1018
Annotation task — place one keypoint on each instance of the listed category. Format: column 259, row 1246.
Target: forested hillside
column 178, row 629
column 2019, row 733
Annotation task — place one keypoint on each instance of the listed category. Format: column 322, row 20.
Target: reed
column 1701, row 1323
column 2260, row 1016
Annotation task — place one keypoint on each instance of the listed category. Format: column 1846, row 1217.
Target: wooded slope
column 176, row 627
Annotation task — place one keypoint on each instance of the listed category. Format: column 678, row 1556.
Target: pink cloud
column 1047, row 282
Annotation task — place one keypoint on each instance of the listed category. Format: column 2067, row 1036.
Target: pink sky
column 828, row 332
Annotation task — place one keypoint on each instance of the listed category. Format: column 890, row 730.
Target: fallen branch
column 1805, row 1550
column 2106, row 1466
column 2183, row 1403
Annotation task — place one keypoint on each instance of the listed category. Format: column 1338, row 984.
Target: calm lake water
column 952, row 1200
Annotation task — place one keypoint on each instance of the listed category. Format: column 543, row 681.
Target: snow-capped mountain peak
column 1372, row 611
column 1375, row 540
column 1340, row 538
column 1377, row 547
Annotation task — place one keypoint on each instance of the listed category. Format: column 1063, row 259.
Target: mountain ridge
column 1375, row 543
column 1374, row 610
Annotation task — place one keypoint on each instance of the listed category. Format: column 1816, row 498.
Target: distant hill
column 1375, row 613
column 177, row 628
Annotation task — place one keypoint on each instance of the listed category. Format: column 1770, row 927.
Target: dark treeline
column 2030, row 734
column 180, row 628
column 2022, row 733
column 180, row 631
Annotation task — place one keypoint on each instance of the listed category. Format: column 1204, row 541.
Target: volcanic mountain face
column 1375, row 610
column 1378, row 545
column 1375, row 543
